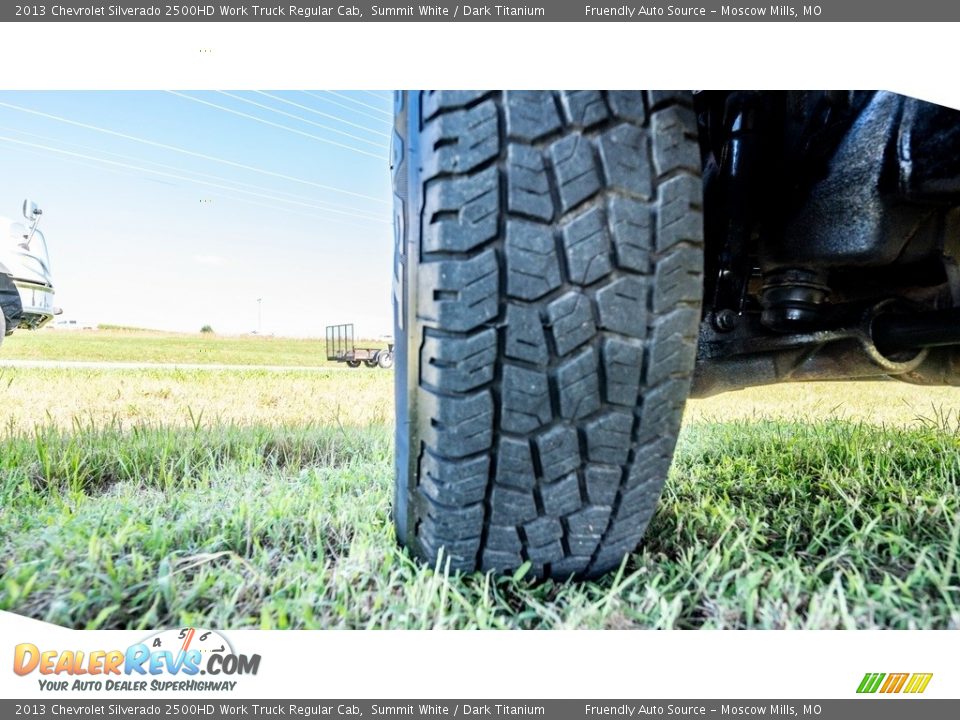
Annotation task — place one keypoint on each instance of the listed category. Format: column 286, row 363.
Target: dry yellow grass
column 62, row 397
column 878, row 403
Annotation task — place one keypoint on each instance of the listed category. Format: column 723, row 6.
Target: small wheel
column 370, row 363
column 385, row 359
column 353, row 363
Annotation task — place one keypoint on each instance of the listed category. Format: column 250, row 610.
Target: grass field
column 252, row 499
column 149, row 346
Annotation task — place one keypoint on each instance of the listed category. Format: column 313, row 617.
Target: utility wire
column 387, row 121
column 174, row 176
column 322, row 114
column 184, row 151
column 276, row 125
column 375, row 144
column 354, row 100
column 260, row 188
column 243, row 201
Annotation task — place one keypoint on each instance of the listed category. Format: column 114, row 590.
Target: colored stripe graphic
column 894, row 683
column 870, row 682
column 918, row 682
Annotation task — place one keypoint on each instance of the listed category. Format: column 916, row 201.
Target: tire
column 547, row 289
column 372, row 363
column 353, row 363
column 385, row 360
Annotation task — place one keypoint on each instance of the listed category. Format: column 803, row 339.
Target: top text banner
column 449, row 11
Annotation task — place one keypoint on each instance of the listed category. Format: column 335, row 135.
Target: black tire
column 353, row 363
column 371, row 363
column 548, row 279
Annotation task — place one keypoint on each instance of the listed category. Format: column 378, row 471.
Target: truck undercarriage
column 832, row 236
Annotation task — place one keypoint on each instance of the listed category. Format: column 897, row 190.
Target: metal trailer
column 342, row 348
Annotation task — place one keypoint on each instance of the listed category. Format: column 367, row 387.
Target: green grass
column 115, row 344
column 764, row 524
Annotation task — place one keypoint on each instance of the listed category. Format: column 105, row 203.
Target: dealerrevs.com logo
column 169, row 660
column 894, row 683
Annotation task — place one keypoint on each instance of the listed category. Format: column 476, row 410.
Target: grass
column 151, row 498
column 118, row 344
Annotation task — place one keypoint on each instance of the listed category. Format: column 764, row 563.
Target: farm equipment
column 342, row 348
column 26, row 287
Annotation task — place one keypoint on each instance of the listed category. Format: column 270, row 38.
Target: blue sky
column 175, row 211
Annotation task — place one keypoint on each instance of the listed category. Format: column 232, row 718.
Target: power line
column 243, row 201
column 377, row 95
column 184, row 151
column 276, row 125
column 386, row 121
column 321, row 113
column 115, row 163
column 260, row 188
column 301, row 119
column 354, row 100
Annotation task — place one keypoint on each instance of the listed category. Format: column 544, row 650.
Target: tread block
column 435, row 101
column 532, row 266
column 659, row 98
column 662, row 410
column 622, row 367
column 642, row 499
column 503, row 538
column 578, row 385
column 559, row 452
column 454, row 523
column 530, row 114
column 461, row 140
column 524, row 335
column 547, row 553
column 460, row 554
column 515, row 464
column 568, row 567
column 622, row 306
column 586, row 247
column 631, row 226
column 460, row 295
column 459, row 426
column 511, row 507
column 627, row 105
column 625, row 156
column 584, row 107
column 603, row 482
column 583, row 545
column 461, row 213
column 590, row 521
column 451, row 482
column 525, row 400
column 678, row 279
column 608, row 437
column 458, row 364
column 680, row 218
column 542, row 530
column 500, row 561
column 651, row 462
column 676, row 130
column 562, row 496
column 571, row 321
column 528, row 186
column 575, row 170
column 673, row 346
